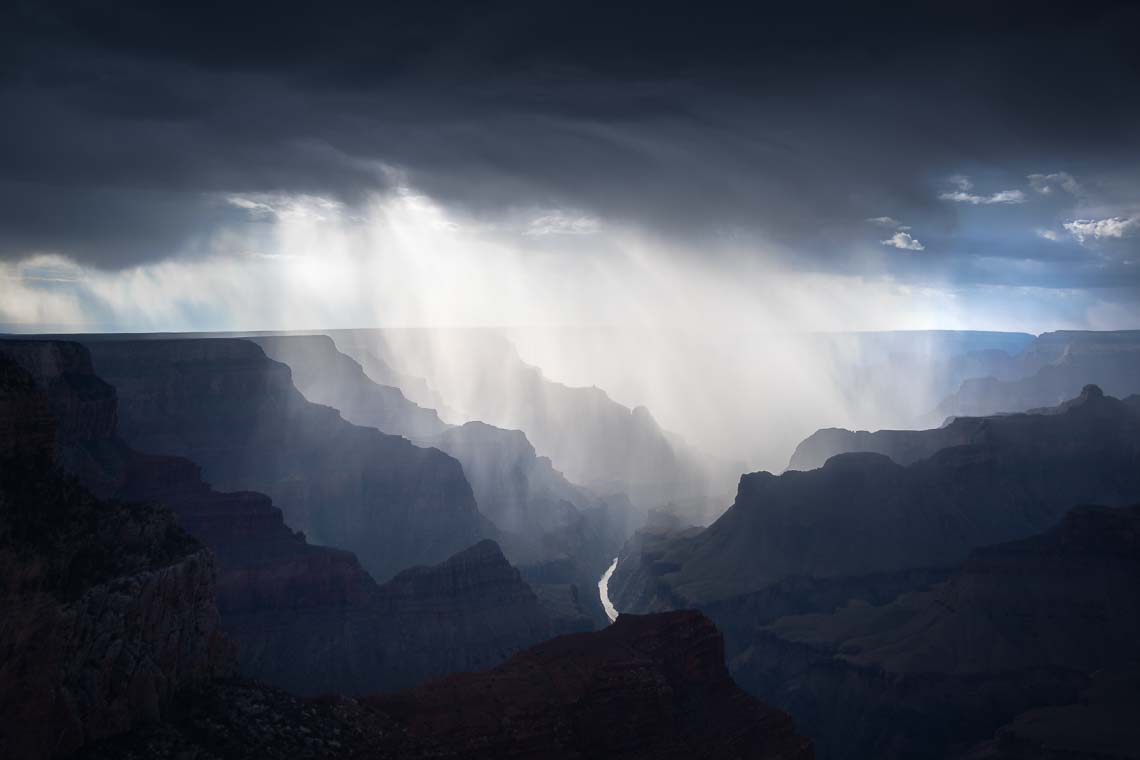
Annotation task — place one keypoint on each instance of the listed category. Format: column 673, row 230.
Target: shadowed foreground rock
column 863, row 514
column 223, row 404
column 106, row 609
column 1023, row 626
column 650, row 686
column 306, row 618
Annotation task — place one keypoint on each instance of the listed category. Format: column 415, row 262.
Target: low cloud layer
column 789, row 138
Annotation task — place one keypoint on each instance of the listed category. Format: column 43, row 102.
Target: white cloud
column 559, row 223
column 285, row 206
column 1047, row 183
column 1001, row 196
column 961, row 182
column 1048, row 235
column 889, row 222
column 1112, row 227
column 904, row 241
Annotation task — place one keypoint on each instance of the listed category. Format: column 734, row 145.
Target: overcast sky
column 979, row 151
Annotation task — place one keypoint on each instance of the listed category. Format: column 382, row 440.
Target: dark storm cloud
column 790, row 125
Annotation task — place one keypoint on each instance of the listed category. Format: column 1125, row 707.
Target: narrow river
column 604, row 592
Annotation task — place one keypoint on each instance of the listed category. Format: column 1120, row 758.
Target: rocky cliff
column 327, row 376
column 223, row 404
column 306, row 617
column 557, row 532
column 541, row 519
column 902, row 446
column 863, row 514
column 108, row 608
column 1022, row 625
column 273, row 588
column 1053, row 368
column 595, row 441
column 909, row 446
column 469, row 612
column 646, row 687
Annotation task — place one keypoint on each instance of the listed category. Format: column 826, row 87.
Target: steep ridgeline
column 471, row 611
column 326, row 376
column 415, row 389
column 223, row 404
column 862, row 514
column 1053, row 368
column 1022, row 625
column 908, row 446
column 273, row 588
column 559, row 534
column 107, row 608
column 902, row 446
column 308, row 618
column 594, row 440
column 562, row 533
column 646, row 687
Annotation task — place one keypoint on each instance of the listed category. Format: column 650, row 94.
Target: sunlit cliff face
column 708, row 340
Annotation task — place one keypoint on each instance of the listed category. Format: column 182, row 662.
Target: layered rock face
column 594, row 440
column 902, row 446
column 326, row 376
column 306, row 617
column 1053, row 368
column 557, row 532
column 469, row 612
column 273, row 588
column 564, row 534
column 223, row 404
column 646, row 687
column 909, row 446
column 1022, row 625
column 108, row 608
column 863, row 514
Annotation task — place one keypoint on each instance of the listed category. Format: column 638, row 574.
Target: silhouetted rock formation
column 524, row 495
column 594, row 440
column 467, row 613
column 224, row 405
column 555, row 530
column 646, row 687
column 1022, row 625
column 863, row 514
column 308, row 618
column 472, row 611
column 326, row 376
column 909, row 446
column 635, row 583
column 108, row 608
column 1053, row 368
column 540, row 517
column 902, row 446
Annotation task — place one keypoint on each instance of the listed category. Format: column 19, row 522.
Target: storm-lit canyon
column 569, row 381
